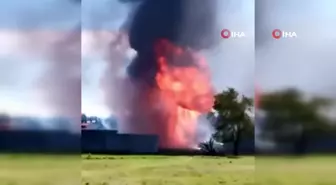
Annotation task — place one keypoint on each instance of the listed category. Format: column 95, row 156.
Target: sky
column 306, row 62
column 23, row 58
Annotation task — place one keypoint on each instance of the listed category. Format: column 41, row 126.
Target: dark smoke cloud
column 187, row 23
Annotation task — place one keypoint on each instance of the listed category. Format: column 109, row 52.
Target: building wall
column 112, row 142
column 40, row 141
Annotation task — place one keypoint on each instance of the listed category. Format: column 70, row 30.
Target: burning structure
column 167, row 86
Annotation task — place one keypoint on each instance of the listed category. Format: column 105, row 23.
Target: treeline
column 285, row 115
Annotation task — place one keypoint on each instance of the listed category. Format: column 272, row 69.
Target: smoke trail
column 112, row 82
column 60, row 85
column 42, row 55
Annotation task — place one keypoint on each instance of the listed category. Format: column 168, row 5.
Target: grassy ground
column 124, row 170
column 39, row 170
column 312, row 170
column 164, row 170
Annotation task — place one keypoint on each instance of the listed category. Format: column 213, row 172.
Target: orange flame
column 185, row 90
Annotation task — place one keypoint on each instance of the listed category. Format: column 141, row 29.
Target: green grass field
column 39, row 170
column 165, row 170
column 310, row 170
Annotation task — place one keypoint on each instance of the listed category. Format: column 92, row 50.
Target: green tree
column 84, row 118
column 234, row 117
column 288, row 108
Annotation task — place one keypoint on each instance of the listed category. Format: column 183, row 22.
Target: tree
column 84, row 118
column 234, row 117
column 291, row 116
column 208, row 147
column 84, row 121
column 290, row 107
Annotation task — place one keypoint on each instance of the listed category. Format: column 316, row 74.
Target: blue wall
column 40, row 141
column 90, row 141
column 105, row 141
column 112, row 142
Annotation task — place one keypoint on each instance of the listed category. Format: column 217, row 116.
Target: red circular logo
column 277, row 34
column 225, row 33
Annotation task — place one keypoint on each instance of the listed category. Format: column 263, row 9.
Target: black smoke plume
column 186, row 23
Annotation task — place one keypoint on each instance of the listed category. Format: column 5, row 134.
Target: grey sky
column 306, row 62
column 24, row 56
